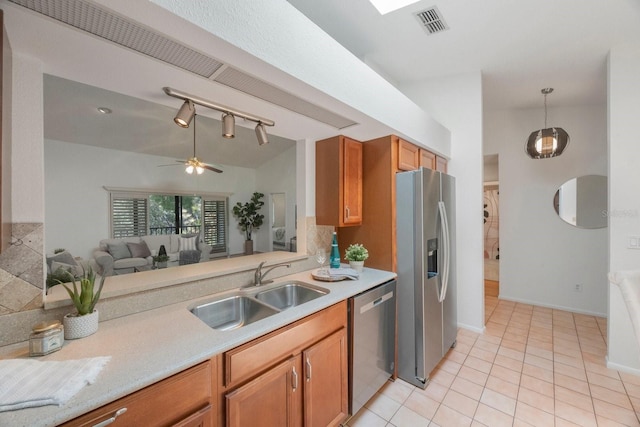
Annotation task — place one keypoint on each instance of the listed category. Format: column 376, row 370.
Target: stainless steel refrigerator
column 427, row 309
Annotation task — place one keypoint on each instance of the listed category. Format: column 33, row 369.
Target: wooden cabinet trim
column 252, row 358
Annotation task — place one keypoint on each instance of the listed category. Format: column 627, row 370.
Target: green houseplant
column 249, row 218
column 356, row 254
column 84, row 297
column 160, row 261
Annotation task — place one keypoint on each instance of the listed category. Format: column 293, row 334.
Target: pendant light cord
column 545, row 112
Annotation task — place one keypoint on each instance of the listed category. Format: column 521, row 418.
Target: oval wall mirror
column 582, row 201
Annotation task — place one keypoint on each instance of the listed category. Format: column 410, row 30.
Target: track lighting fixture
column 185, row 114
column 228, row 126
column 261, row 133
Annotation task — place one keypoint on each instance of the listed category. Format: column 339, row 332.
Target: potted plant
column 249, row 218
column 356, row 254
column 85, row 321
column 160, row 261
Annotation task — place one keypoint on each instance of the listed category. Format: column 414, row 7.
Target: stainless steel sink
column 233, row 312
column 290, row 294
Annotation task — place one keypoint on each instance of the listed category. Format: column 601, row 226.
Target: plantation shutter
column 129, row 213
column 215, row 224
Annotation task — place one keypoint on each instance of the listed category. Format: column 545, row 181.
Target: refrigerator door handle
column 446, row 245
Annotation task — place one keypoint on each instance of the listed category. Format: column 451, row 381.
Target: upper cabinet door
column 441, row 164
column 408, row 156
column 339, row 182
column 427, row 159
column 352, row 203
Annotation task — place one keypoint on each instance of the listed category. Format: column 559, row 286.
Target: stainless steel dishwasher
column 372, row 341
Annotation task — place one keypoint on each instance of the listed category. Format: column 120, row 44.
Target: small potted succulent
column 85, row 321
column 356, row 254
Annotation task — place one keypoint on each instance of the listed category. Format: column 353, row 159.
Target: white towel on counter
column 26, row 383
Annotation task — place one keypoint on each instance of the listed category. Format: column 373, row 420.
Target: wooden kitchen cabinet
column 294, row 376
column 339, row 182
column 409, row 157
column 184, row 399
column 326, row 381
column 441, row 164
column 272, row 399
column 381, row 160
column 427, row 159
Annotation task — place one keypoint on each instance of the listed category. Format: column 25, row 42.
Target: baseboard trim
column 553, row 306
column 623, row 368
column 471, row 328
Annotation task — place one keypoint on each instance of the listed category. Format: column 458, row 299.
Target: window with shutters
column 129, row 215
column 140, row 214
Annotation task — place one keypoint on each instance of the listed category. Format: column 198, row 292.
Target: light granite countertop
column 149, row 346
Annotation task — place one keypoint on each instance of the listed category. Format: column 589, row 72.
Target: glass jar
column 46, row 337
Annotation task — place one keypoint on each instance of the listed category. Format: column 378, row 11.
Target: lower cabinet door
column 326, row 381
column 272, row 399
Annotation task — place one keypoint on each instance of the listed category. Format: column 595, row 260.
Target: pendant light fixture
column 261, row 134
column 547, row 142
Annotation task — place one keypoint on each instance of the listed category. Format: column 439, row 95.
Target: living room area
column 118, row 200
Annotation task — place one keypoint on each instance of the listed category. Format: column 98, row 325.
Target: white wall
column 27, row 154
column 456, row 102
column 77, row 205
column 277, row 176
column 542, row 258
column 624, row 196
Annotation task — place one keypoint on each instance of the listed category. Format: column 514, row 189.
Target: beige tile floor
column 533, row 366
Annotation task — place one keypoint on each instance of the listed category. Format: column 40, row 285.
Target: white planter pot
column 357, row 265
column 80, row 326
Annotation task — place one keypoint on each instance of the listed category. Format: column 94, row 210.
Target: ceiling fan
column 194, row 164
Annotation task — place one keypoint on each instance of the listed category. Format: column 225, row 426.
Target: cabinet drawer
column 165, row 403
column 254, row 357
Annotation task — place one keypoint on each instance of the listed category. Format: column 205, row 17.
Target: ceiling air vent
column 432, row 21
column 117, row 29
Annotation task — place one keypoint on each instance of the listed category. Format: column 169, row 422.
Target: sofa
column 132, row 254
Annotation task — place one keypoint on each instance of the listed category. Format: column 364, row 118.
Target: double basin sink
column 247, row 306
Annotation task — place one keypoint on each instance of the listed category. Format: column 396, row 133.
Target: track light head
column 261, row 133
column 185, row 114
column 228, row 125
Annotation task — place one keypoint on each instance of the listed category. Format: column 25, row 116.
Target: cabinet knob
column 308, row 369
column 347, row 211
column 112, row 419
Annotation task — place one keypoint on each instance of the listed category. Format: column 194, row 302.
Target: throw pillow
column 119, row 250
column 139, row 250
column 188, row 243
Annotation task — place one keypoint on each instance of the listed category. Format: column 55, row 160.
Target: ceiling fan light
column 185, row 114
column 228, row 125
column 189, row 169
column 261, row 134
column 199, row 170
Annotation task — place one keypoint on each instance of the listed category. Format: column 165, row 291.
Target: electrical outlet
column 578, row 287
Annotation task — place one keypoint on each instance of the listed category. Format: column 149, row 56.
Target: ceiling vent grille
column 117, row 29
column 109, row 26
column 432, row 21
column 252, row 86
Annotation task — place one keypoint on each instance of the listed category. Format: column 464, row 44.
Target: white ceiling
column 71, row 115
column 520, row 46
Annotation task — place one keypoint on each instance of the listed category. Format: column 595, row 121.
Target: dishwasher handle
column 376, row 302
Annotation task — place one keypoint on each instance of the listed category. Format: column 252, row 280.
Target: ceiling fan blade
column 183, row 161
column 211, row 168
